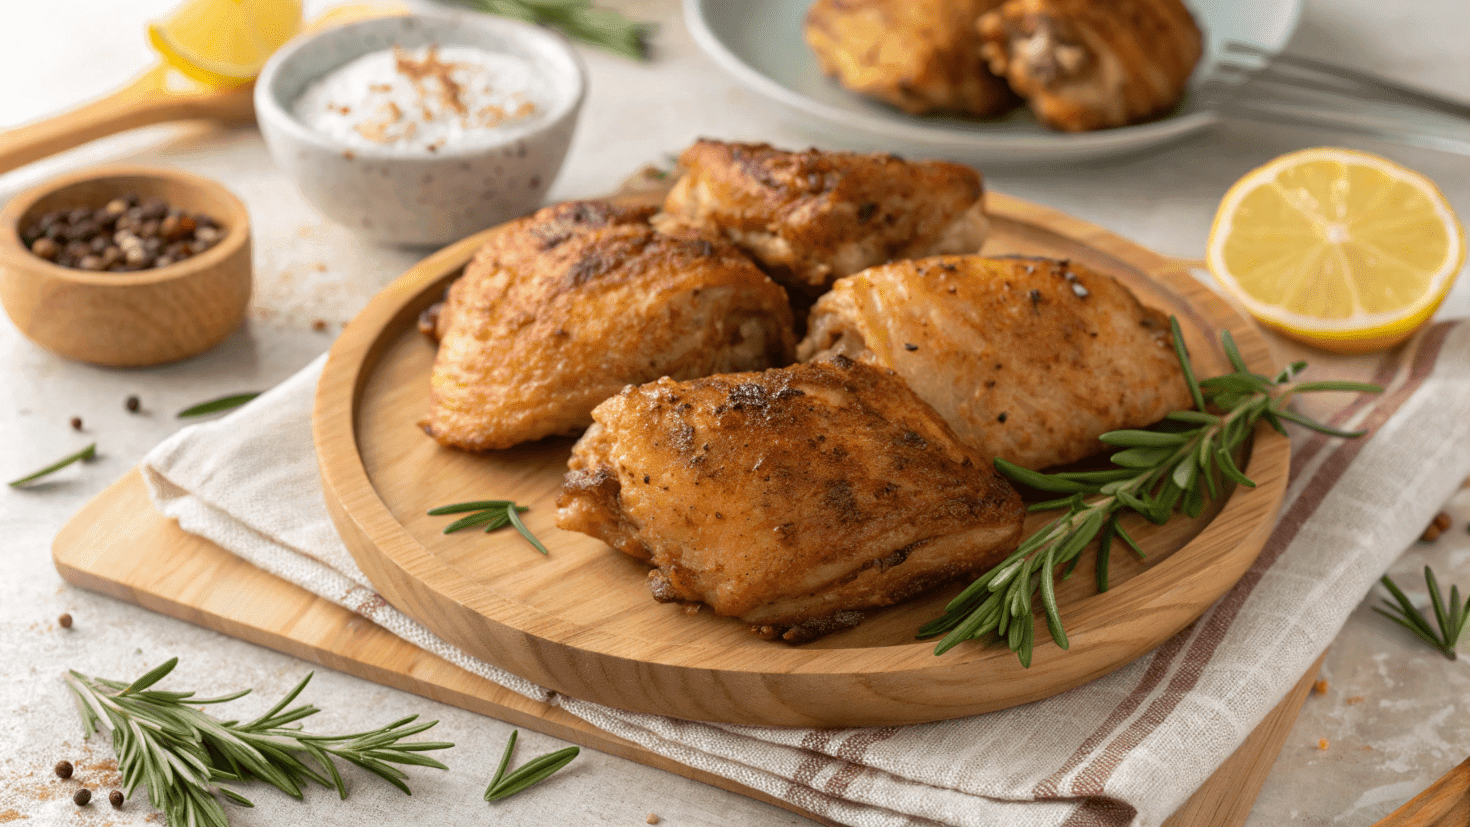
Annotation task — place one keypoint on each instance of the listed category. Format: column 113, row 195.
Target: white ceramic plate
column 760, row 43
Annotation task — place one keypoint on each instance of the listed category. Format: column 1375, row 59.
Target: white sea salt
column 422, row 100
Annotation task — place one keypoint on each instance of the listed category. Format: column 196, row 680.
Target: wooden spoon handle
column 143, row 102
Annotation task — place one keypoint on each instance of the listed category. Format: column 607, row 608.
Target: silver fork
column 1252, row 83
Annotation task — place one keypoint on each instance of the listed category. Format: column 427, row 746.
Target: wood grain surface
column 132, row 319
column 1445, row 803
column 118, row 545
column 580, row 620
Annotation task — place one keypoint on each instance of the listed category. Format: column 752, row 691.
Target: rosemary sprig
column 182, row 754
column 80, row 456
column 1450, row 615
column 534, row 772
column 1175, row 465
column 579, row 19
column 224, row 403
column 493, row 514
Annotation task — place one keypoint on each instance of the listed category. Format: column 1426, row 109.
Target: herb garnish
column 1450, row 617
column 579, row 19
column 1176, row 464
column 182, row 754
column 493, row 514
column 224, row 403
column 537, row 770
column 80, row 456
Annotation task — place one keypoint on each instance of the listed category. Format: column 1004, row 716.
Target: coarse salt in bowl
column 422, row 129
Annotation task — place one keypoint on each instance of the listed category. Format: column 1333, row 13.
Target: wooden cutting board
column 580, row 620
column 119, row 546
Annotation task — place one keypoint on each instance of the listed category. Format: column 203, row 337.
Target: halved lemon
column 1340, row 249
column 224, row 43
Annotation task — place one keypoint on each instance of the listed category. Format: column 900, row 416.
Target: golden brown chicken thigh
column 922, row 56
column 567, row 306
column 1028, row 359
column 812, row 217
column 1093, row 64
column 792, row 499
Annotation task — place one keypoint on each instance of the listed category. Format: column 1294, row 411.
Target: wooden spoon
column 149, row 100
column 145, row 101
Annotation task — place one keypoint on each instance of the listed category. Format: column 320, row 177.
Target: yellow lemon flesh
column 224, row 43
column 1340, row 249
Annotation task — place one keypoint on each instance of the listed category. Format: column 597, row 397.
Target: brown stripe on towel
column 852, row 751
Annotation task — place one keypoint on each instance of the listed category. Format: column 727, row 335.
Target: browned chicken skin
column 922, row 56
column 812, row 217
column 1028, row 359
column 567, row 306
column 791, row 499
column 1093, row 64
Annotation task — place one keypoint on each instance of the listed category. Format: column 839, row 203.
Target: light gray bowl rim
column 269, row 106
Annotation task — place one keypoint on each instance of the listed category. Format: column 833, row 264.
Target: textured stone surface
column 1408, row 729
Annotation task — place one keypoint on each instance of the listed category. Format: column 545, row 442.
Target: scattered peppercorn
column 319, row 325
column 64, row 620
column 125, row 234
column 116, row 798
column 76, row 423
column 133, row 404
column 82, row 797
column 63, row 769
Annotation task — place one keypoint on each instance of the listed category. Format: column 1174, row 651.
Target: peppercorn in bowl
column 125, row 266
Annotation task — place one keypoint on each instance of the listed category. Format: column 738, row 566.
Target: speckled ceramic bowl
column 415, row 197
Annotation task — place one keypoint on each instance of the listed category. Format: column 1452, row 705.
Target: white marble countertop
column 1393, row 714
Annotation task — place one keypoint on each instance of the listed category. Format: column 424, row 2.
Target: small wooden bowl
column 127, row 319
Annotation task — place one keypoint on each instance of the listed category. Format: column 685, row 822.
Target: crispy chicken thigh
column 922, row 56
column 791, row 499
column 812, row 217
column 1028, row 359
column 565, row 307
column 1093, row 64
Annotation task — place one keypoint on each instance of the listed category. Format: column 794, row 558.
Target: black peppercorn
column 133, row 404
column 76, row 423
column 82, row 797
column 64, row 621
column 116, row 797
column 63, row 769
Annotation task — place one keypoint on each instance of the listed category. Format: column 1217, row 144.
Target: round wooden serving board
column 581, row 620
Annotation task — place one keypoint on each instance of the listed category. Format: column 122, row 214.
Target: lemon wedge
column 224, row 43
column 1340, row 249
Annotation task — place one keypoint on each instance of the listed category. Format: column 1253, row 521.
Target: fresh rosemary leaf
column 224, row 403
column 1450, row 614
column 515, row 520
column 164, row 742
column 460, row 508
column 493, row 514
column 579, row 19
column 537, row 770
column 80, row 456
column 1179, row 464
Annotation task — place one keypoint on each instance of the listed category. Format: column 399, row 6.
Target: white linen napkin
column 1126, row 749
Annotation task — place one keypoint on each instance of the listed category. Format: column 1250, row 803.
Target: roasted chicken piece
column 792, row 499
column 922, row 56
column 565, row 307
column 1028, row 359
column 1093, row 64
column 812, row 217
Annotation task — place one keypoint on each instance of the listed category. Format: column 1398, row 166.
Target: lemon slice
column 224, row 43
column 1340, row 249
